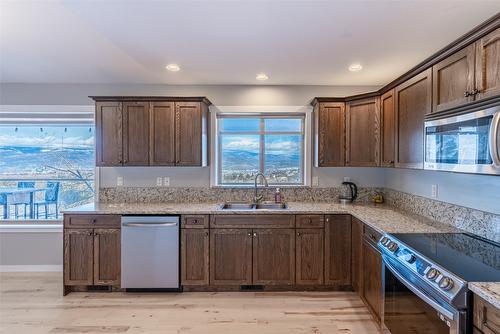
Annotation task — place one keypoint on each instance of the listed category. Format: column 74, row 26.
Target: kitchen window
column 46, row 163
column 270, row 143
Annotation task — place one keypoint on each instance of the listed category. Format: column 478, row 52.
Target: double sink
column 253, row 206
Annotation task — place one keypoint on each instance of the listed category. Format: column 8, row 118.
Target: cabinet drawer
column 252, row 221
column 371, row 234
column 90, row 221
column 195, row 221
column 310, row 221
column 486, row 316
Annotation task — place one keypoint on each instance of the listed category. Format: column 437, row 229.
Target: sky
column 47, row 136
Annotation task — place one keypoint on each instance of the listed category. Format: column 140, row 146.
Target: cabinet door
column 274, row 256
column 136, row 133
column 486, row 317
column 108, row 127
column 107, row 257
column 329, row 136
column 194, row 256
column 488, row 65
column 309, row 256
column 230, row 257
column 388, row 129
column 338, row 250
column 78, row 257
column 453, row 80
column 188, row 133
column 363, row 133
column 162, row 134
column 357, row 254
column 413, row 102
column 372, row 278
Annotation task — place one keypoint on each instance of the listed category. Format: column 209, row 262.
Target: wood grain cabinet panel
column 363, row 133
column 338, row 250
column 188, row 133
column 92, row 221
column 413, row 102
column 309, row 256
column 108, row 121
column 195, row 221
column 231, row 256
column 162, row 134
column 136, row 133
column 78, row 257
column 195, row 256
column 274, row 256
column 310, row 221
column 329, row 120
column 372, row 278
column 388, row 129
column 488, row 65
column 107, row 257
column 453, row 80
column 486, row 317
column 357, row 254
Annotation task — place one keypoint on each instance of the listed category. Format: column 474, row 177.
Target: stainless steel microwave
column 467, row 143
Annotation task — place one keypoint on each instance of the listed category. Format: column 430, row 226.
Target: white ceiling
column 227, row 42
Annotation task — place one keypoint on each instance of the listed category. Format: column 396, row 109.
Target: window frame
column 217, row 113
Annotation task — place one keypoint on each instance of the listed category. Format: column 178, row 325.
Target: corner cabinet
column 329, row 134
column 151, row 131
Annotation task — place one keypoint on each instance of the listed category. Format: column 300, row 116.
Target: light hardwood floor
column 33, row 303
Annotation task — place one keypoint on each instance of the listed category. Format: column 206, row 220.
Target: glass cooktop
column 472, row 258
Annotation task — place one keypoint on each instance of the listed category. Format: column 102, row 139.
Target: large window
column 45, row 167
column 272, row 144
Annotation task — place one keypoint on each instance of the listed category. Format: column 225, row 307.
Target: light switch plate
column 315, row 181
column 434, row 190
column 347, row 179
column 158, row 182
column 166, row 181
column 119, row 181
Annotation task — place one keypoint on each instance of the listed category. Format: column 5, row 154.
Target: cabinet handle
column 254, row 234
column 90, row 234
column 467, row 94
column 327, row 220
column 120, row 161
column 195, row 221
column 249, row 234
column 298, row 234
column 125, row 161
column 94, row 221
column 206, row 233
column 475, row 91
column 310, row 221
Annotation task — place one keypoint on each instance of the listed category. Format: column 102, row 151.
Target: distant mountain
column 244, row 160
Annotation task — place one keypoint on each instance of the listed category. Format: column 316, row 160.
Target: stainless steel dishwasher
column 150, row 252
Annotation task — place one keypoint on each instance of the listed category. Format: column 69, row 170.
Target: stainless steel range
column 426, row 276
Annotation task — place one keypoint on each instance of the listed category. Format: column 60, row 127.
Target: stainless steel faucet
column 257, row 199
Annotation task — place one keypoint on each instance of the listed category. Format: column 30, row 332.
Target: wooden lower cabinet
column 273, row 256
column 195, row 256
column 338, row 250
column 372, row 278
column 357, row 254
column 107, row 256
column 486, row 317
column 231, row 256
column 309, row 250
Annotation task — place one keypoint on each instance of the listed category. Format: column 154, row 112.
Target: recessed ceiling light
column 173, row 67
column 355, row 67
column 262, row 77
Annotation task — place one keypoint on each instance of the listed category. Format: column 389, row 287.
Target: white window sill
column 57, row 227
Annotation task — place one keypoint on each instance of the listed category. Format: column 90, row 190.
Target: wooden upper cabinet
column 413, row 102
column 78, row 257
column 107, row 257
column 162, row 134
column 108, row 133
column 135, row 133
column 189, row 124
column 488, row 65
column 274, row 256
column 362, row 132
column 453, row 80
column 309, row 256
column 338, row 250
column 388, row 129
column 195, row 256
column 329, row 120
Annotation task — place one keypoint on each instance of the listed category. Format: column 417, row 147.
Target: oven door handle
column 493, row 139
column 435, row 305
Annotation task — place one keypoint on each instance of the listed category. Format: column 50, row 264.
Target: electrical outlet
column 347, row 179
column 166, row 181
column 315, row 181
column 434, row 190
column 158, row 182
column 119, row 181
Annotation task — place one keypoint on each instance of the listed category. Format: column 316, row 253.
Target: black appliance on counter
column 425, row 278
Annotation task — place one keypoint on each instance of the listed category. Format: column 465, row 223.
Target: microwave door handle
column 493, row 139
column 421, row 295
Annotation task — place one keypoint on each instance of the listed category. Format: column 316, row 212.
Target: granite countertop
column 382, row 218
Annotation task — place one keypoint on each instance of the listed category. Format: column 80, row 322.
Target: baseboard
column 31, row 268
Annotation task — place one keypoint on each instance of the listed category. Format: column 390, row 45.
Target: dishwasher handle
column 149, row 224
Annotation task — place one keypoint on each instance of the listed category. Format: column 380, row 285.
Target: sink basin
column 252, row 206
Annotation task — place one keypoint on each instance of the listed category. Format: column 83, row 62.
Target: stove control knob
column 393, row 247
column 410, row 258
column 432, row 274
column 384, row 240
column 446, row 283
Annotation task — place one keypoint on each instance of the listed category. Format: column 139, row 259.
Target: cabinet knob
column 125, row 161
column 195, row 221
column 206, row 233
column 254, row 234
column 298, row 234
column 327, row 220
column 467, row 94
column 310, row 221
column 94, row 221
column 475, row 91
column 90, row 234
column 120, row 161
column 249, row 234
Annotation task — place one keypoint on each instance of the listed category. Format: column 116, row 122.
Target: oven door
column 466, row 143
column 409, row 308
